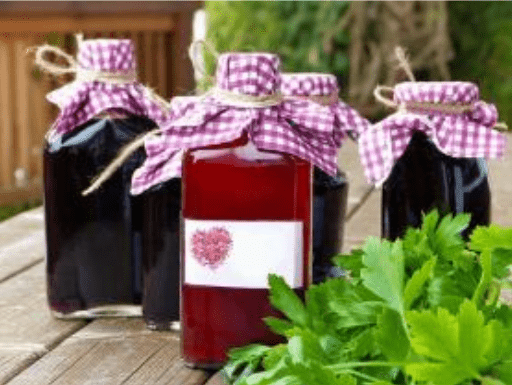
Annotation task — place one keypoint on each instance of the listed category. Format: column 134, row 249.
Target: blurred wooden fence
column 161, row 32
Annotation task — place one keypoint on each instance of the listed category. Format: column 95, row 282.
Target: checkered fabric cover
column 460, row 135
column 209, row 120
column 80, row 101
column 317, row 84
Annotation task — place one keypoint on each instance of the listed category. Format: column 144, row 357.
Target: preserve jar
column 246, row 201
column 159, row 194
column 329, row 192
column 94, row 260
column 431, row 154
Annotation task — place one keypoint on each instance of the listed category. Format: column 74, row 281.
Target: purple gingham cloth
column 298, row 127
column 460, row 135
column 80, row 101
column 317, row 84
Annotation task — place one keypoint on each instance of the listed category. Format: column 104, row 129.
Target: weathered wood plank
column 104, row 328
column 6, row 119
column 65, row 23
column 216, row 379
column 45, row 370
column 348, row 161
column 26, row 321
column 135, row 359
column 501, row 187
column 22, row 242
column 365, row 222
column 14, row 361
column 178, row 374
column 23, row 106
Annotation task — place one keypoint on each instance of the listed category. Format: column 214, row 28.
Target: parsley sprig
column 424, row 309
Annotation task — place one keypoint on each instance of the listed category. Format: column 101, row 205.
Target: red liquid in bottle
column 220, row 185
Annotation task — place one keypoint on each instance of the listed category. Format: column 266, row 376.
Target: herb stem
column 362, row 375
column 348, row 365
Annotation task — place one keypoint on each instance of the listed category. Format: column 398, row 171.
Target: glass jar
column 160, row 198
column 330, row 193
column 246, row 213
column 160, row 220
column 93, row 242
column 94, row 260
column 424, row 178
column 430, row 154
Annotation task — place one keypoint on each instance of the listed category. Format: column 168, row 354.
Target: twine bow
column 457, row 129
column 477, row 110
column 82, row 74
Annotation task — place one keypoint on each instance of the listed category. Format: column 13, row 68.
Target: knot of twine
column 82, row 74
column 226, row 97
column 229, row 98
column 445, row 108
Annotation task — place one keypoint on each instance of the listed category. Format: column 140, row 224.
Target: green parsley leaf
column 274, row 356
column 278, row 325
column 462, row 345
column 414, row 286
column 449, row 289
column 246, row 358
column 384, row 271
column 390, row 335
column 352, row 262
column 285, row 299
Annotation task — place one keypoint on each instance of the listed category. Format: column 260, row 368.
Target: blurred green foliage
column 481, row 33
column 293, row 29
column 9, row 211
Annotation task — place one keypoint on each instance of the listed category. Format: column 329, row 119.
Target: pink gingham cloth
column 297, row 127
column 80, row 101
column 325, row 85
column 460, row 135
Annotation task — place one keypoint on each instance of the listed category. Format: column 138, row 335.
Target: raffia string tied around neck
column 246, row 98
column 322, row 88
column 105, row 79
column 449, row 113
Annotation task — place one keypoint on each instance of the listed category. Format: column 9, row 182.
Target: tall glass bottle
column 246, row 213
column 159, row 196
column 430, row 154
column 94, row 242
column 329, row 192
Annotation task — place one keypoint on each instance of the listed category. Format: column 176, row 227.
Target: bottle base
column 163, row 326
column 106, row 311
column 204, row 366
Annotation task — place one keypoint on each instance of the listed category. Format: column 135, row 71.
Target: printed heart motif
column 211, row 248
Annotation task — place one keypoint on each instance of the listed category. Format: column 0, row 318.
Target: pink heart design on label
column 211, row 248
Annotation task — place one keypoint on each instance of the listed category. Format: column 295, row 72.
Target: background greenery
column 292, row 29
column 481, row 34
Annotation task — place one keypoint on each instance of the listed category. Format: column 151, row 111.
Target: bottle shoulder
column 241, row 151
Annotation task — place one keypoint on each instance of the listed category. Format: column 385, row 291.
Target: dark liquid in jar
column 423, row 179
column 225, row 187
column 161, row 254
column 93, row 242
column 329, row 213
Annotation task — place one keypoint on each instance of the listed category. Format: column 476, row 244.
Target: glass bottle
column 329, row 192
column 424, row 178
column 93, row 242
column 94, row 260
column 430, row 173
column 235, row 186
column 161, row 208
column 246, row 213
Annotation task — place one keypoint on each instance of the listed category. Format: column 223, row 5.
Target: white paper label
column 242, row 253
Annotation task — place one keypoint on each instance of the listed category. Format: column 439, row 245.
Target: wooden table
column 37, row 349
